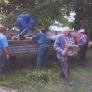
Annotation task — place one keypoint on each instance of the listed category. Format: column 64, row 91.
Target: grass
column 90, row 42
column 47, row 80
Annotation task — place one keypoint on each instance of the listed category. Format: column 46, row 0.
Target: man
column 42, row 39
column 61, row 45
column 25, row 23
column 83, row 45
column 4, row 55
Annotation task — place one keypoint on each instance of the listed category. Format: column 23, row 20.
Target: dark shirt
column 42, row 38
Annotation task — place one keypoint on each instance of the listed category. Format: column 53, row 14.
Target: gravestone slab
column 6, row 89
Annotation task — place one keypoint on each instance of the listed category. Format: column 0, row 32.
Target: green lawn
column 90, row 42
column 47, row 80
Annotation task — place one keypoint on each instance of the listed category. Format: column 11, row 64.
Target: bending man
column 25, row 23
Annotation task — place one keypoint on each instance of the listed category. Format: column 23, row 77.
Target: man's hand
column 7, row 56
column 63, row 53
column 6, row 53
column 30, row 38
column 76, row 46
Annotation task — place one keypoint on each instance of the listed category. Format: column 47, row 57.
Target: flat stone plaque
column 6, row 89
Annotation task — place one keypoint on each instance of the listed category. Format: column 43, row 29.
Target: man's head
column 66, row 30
column 82, row 31
column 43, row 30
column 2, row 28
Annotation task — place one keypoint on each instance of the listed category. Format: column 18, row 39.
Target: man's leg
column 3, row 65
column 41, row 56
column 82, row 54
column 22, row 34
column 64, row 69
column 84, row 50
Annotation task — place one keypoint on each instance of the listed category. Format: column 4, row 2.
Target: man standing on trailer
column 24, row 23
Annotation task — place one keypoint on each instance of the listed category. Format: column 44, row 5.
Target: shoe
column 71, row 82
column 82, row 64
column 62, row 76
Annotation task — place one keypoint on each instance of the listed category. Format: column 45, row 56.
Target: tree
column 46, row 11
column 43, row 11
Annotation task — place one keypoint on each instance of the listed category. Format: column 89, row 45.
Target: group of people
column 66, row 45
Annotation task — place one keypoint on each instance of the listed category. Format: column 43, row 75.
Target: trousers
column 3, row 63
column 41, row 56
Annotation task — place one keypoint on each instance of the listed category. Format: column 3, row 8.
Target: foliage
column 9, row 20
column 83, row 10
column 46, row 11
column 4, row 1
column 43, row 11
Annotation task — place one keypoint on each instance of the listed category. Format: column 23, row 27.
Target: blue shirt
column 23, row 21
column 3, row 41
column 42, row 38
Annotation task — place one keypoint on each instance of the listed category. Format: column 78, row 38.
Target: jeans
column 3, row 63
column 82, row 53
column 41, row 55
column 64, row 66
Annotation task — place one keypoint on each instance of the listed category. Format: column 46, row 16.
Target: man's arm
column 36, row 36
column 57, row 44
column 6, row 53
column 5, row 47
column 58, row 47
